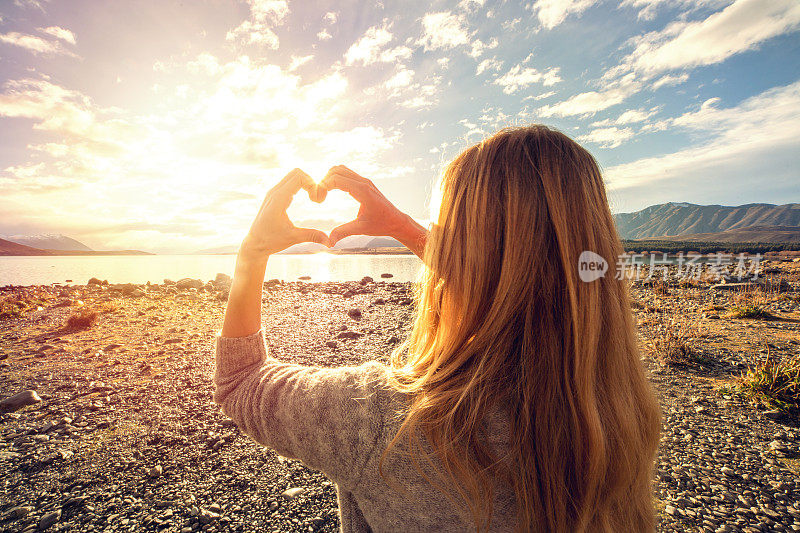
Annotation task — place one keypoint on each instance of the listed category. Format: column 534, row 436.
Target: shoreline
column 126, row 435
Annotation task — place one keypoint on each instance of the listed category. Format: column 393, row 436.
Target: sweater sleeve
column 328, row 418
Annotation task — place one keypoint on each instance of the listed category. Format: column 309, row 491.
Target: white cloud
column 478, row 47
column 630, row 116
column 737, row 137
column 739, row 27
column 204, row 62
column 551, row 13
column 489, row 64
column 367, row 49
column 59, row 33
column 669, row 80
column 590, row 102
column 298, row 61
column 539, row 96
column 264, row 15
column 402, row 78
column 443, row 30
column 607, row 137
column 517, row 78
column 323, row 35
column 35, row 44
column 648, row 8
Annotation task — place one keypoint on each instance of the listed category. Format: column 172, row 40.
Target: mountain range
column 750, row 222
column 50, row 241
column 677, row 221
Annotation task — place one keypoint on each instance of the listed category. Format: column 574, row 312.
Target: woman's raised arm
column 271, row 232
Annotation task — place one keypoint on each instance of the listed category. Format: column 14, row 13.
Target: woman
column 518, row 402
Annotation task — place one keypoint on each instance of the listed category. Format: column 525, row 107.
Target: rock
column 366, row 279
column 222, row 279
column 273, row 505
column 293, row 493
column 304, row 278
column 169, row 282
column 393, row 340
column 349, row 335
column 156, row 471
column 19, row 400
column 19, row 512
column 49, row 519
column 94, row 281
column 348, row 294
column 728, row 471
column 354, row 313
column 331, row 344
column 379, row 301
column 773, row 414
column 207, row 516
column 112, row 346
column 188, row 283
column 405, row 301
column 670, row 510
column 386, row 275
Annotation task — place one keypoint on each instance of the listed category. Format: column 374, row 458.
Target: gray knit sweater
column 340, row 421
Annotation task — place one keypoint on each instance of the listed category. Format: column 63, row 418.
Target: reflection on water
column 39, row 270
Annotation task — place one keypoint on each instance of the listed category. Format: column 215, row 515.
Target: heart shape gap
column 336, row 208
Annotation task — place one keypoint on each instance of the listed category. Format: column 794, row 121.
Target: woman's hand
column 272, row 231
column 376, row 215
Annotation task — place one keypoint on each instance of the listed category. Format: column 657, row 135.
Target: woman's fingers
column 354, row 227
column 355, row 188
column 311, row 235
column 295, row 180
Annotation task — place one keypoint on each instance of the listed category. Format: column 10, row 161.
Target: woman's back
column 340, row 420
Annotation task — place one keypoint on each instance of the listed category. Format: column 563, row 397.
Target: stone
column 94, row 281
column 379, row 301
column 304, row 278
column 222, row 279
column 348, row 335
column 49, row 519
column 386, row 275
column 366, row 279
column 20, row 511
column 293, row 493
column 331, row 344
column 156, row 471
column 354, row 313
column 188, row 283
column 19, row 400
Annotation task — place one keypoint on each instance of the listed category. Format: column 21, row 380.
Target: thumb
column 354, row 227
column 311, row 235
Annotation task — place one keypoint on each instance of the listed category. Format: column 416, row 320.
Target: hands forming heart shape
column 272, row 231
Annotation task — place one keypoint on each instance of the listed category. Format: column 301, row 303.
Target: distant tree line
column 672, row 247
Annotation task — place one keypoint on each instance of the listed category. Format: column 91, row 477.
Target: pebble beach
column 107, row 423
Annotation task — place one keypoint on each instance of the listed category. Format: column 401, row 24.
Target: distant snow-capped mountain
column 48, row 242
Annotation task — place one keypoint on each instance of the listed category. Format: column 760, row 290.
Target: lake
column 44, row 270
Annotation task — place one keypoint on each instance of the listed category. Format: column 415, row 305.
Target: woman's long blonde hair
column 505, row 322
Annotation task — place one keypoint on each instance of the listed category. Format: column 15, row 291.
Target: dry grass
column 671, row 344
column 776, row 383
column 752, row 303
column 17, row 305
column 82, row 319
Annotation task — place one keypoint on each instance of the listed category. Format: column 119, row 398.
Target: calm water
column 155, row 268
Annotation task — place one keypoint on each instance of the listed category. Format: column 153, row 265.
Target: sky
column 160, row 125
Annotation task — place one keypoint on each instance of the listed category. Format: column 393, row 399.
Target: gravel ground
column 126, row 437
